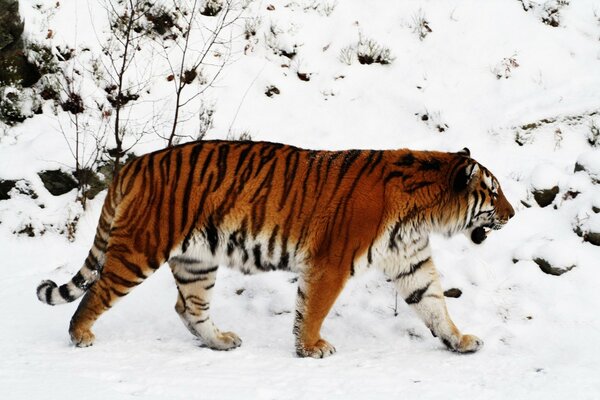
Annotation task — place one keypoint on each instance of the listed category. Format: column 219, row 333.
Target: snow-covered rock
column 590, row 163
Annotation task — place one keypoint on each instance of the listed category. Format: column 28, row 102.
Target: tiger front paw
column 320, row 349
column 466, row 344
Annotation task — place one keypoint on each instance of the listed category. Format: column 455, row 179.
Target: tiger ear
column 465, row 152
column 465, row 176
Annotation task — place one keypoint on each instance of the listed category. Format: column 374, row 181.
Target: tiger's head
column 487, row 207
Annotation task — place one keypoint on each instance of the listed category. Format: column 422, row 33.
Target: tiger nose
column 511, row 212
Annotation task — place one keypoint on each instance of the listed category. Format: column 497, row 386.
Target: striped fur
column 264, row 206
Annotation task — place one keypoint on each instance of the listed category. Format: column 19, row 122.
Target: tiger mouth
column 479, row 234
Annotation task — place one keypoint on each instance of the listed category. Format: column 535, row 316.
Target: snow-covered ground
column 522, row 95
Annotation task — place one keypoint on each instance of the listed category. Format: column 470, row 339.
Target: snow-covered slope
column 521, row 94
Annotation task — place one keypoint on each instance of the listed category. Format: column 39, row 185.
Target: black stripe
column 257, row 257
column 137, row 271
column 271, row 246
column 406, row 160
column 413, row 268
column 49, row 294
column 349, row 158
column 431, row 164
column 376, row 162
column 416, row 296
column 212, row 235
column 209, row 287
column 202, row 271
column 65, row 293
column 79, row 281
column 289, row 174
column 222, row 165
column 418, row 185
column 117, row 292
column 119, row 280
column 393, row 234
column 193, row 160
column 186, row 260
column 186, row 281
column 393, row 175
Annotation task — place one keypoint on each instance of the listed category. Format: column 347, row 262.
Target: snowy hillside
column 516, row 81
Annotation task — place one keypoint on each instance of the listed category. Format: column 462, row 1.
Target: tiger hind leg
column 421, row 290
column 123, row 270
column 195, row 281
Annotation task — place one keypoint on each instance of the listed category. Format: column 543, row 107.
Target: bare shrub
column 369, row 51
column 420, row 25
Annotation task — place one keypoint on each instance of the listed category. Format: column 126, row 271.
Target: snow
column 545, row 177
column 540, row 331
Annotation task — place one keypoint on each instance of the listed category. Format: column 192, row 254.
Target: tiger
column 261, row 206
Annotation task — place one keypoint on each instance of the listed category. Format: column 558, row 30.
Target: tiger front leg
column 420, row 287
column 317, row 291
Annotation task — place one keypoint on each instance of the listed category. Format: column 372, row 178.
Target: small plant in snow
column 558, row 138
column 205, row 118
column 594, row 134
column 347, row 55
column 210, row 8
column 251, row 26
column 369, row 51
column 274, row 41
column 505, row 67
column 548, row 12
column 420, row 25
column 322, row 7
column 433, row 120
column 242, row 136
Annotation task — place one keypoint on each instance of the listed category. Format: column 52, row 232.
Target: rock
column 588, row 227
column 546, row 267
column 592, row 237
column 57, row 182
column 589, row 162
column 545, row 197
column 15, row 68
column 5, row 187
column 454, row 292
column 272, row 90
column 544, row 183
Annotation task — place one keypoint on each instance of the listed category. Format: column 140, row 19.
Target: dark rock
column 57, row 182
column 546, row 267
column 303, row 76
column 592, row 237
column 5, row 187
column 272, row 90
column 14, row 66
column 454, row 292
column 545, row 197
column 90, row 182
